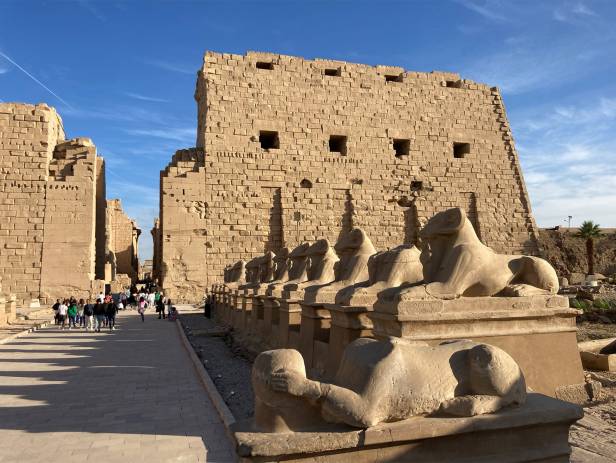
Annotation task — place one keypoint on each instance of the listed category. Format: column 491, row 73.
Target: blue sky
column 122, row 72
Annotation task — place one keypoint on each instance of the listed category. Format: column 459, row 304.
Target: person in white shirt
column 151, row 299
column 62, row 311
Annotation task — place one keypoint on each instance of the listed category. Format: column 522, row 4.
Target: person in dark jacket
column 99, row 314
column 111, row 309
column 88, row 313
column 55, row 308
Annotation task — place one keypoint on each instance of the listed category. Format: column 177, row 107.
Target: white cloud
column 488, row 9
column 568, row 155
column 185, row 135
column 171, row 66
column 138, row 96
column 573, row 12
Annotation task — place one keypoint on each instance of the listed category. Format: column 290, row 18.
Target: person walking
column 141, row 308
column 111, row 310
column 72, row 315
column 62, row 311
column 88, row 312
column 100, row 314
column 55, row 308
column 151, row 299
column 160, row 308
column 81, row 319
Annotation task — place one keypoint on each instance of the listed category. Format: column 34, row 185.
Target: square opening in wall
column 268, row 65
column 460, row 150
column 338, row 144
column 453, row 83
column 269, row 139
column 332, row 72
column 401, row 147
column 416, row 185
column 393, row 78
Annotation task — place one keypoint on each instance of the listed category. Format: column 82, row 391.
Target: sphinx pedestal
column 271, row 321
column 539, row 332
column 290, row 315
column 314, row 336
column 535, row 432
column 348, row 323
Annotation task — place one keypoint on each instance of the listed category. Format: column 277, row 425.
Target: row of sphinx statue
column 452, row 263
column 391, row 379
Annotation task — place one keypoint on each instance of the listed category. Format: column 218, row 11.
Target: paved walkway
column 129, row 395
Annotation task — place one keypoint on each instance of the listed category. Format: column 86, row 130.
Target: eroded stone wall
column 28, row 136
column 123, row 238
column 292, row 150
column 49, row 190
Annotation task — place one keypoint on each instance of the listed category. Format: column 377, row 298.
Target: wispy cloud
column 569, row 161
column 92, row 9
column 170, row 66
column 3, row 70
column 572, row 12
column 488, row 9
column 182, row 134
column 140, row 97
column 14, row 63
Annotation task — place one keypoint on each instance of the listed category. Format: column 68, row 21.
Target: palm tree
column 589, row 231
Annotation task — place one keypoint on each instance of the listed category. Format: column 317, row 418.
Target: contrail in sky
column 35, row 79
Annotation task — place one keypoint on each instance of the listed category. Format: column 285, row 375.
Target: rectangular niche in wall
column 461, row 150
column 269, row 139
column 401, row 146
column 338, row 144
column 265, row 65
column 332, row 72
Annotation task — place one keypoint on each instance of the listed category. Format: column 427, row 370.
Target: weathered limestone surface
column 266, row 175
column 123, row 238
column 72, row 234
column 52, row 200
column 536, row 432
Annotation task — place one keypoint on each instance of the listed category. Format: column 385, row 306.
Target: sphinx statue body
column 297, row 272
column 387, row 269
column 236, row 275
column 354, row 249
column 456, row 263
column 385, row 381
column 323, row 260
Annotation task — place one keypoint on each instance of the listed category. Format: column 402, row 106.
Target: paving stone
column 129, row 395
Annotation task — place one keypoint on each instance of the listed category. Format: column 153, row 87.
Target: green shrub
column 602, row 304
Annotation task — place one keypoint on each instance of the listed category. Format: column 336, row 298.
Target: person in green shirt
column 72, row 314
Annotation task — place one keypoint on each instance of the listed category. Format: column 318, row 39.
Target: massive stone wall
column 123, row 236
column 291, row 150
column 28, row 136
column 50, row 192
column 69, row 242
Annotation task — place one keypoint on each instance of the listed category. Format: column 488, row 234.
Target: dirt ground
column 228, row 364
column 593, row 438
column 588, row 331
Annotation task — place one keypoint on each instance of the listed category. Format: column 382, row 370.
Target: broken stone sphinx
column 385, row 381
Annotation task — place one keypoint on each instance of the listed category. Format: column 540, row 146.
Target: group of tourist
column 86, row 314
column 93, row 316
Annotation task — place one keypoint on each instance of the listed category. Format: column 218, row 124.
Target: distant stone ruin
column 53, row 236
column 291, row 150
